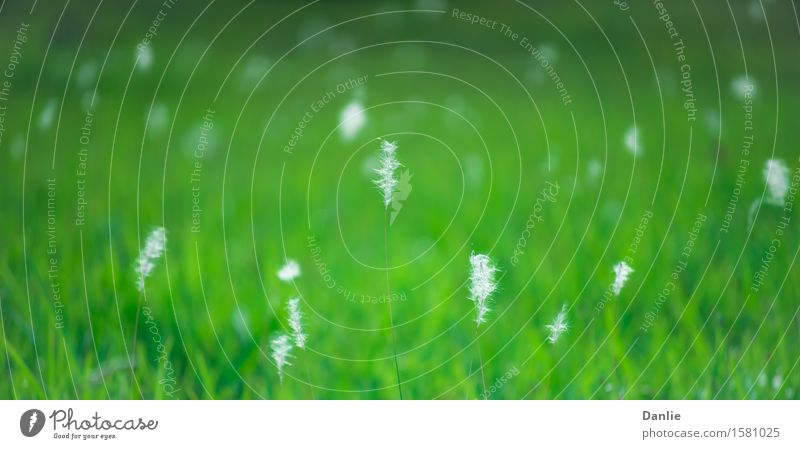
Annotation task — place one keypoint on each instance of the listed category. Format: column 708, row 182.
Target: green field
column 199, row 136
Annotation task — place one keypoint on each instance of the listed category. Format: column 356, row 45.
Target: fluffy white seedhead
column 776, row 175
column 281, row 346
column 743, row 86
column 559, row 325
column 353, row 118
column 632, row 141
column 482, row 284
column 154, row 246
column 289, row 271
column 48, row 114
column 144, row 57
column 594, row 169
column 777, row 381
column 296, row 322
column 751, row 212
column 387, row 180
column 621, row 272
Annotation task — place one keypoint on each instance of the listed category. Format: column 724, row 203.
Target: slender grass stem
column 132, row 358
column 389, row 298
column 469, row 376
column 480, row 359
column 308, row 377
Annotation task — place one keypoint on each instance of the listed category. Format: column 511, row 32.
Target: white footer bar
column 390, row 424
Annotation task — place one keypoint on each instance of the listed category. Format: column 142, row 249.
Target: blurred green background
column 481, row 128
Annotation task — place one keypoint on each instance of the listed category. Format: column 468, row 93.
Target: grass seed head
column 559, row 325
column 776, row 176
column 289, row 271
column 154, row 246
column 632, row 141
column 387, row 179
column 281, row 347
column 621, row 272
column 743, row 87
column 482, row 284
column 296, row 322
column 353, row 118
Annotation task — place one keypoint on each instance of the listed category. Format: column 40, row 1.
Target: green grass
column 215, row 299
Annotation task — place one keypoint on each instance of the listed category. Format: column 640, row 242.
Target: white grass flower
column 240, row 320
column 743, row 87
column 48, row 114
column 159, row 117
column 353, row 118
column 144, row 57
column 559, row 325
column 712, row 120
column 254, row 69
column 387, row 179
column 755, row 12
column 594, row 169
column 751, row 212
column 621, row 272
column 86, row 73
column 289, row 271
column 281, row 346
column 482, row 284
column 296, row 322
column 550, row 53
column 776, row 176
column 777, row 381
column 154, row 246
column 632, row 141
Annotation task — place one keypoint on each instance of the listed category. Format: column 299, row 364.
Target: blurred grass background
column 480, row 127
